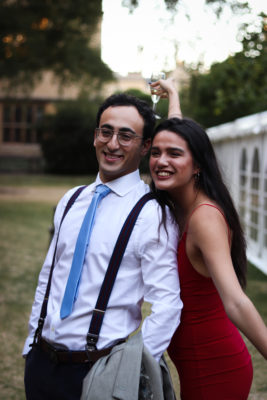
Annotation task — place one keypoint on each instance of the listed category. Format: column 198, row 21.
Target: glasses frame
column 134, row 136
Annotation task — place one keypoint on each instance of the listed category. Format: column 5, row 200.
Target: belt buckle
column 89, row 349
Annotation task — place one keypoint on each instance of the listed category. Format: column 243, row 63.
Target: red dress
column 207, row 350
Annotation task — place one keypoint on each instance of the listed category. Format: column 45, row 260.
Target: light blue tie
column 71, row 290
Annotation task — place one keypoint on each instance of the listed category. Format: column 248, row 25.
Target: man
column 148, row 269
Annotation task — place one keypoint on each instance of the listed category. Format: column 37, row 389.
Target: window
column 20, row 122
column 242, row 185
column 6, row 123
column 254, row 197
column 265, row 209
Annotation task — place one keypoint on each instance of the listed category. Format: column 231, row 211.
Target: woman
column 207, row 349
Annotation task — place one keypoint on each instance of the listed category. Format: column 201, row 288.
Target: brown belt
column 69, row 356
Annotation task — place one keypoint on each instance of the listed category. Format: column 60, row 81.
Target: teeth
column 114, row 157
column 163, row 173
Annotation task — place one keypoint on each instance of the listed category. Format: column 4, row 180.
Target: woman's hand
column 165, row 88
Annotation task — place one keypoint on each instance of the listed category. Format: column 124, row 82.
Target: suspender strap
column 112, row 270
column 43, row 313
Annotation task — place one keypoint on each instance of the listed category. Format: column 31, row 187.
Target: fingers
column 157, row 84
column 160, row 92
column 163, row 87
column 158, row 89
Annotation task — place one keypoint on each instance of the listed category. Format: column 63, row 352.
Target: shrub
column 67, row 142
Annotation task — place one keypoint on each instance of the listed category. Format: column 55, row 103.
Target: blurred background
column 59, row 60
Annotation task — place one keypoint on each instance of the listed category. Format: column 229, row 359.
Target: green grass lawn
column 24, row 238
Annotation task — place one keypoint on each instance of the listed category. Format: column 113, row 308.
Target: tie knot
column 103, row 190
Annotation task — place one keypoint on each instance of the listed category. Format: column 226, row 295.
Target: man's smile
column 112, row 157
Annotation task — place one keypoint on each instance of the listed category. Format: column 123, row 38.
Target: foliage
column 217, row 5
column 233, row 88
column 141, row 95
column 162, row 106
column 254, row 37
column 67, row 143
column 41, row 35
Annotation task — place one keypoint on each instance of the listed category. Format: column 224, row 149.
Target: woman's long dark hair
column 210, row 182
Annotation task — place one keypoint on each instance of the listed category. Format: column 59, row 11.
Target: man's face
column 114, row 159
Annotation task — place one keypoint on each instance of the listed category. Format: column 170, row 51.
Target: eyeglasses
column 125, row 138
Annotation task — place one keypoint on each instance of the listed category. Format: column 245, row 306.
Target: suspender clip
column 38, row 331
column 91, row 340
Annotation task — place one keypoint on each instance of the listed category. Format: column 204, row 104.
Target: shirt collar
column 123, row 185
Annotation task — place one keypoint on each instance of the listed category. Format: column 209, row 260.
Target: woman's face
column 171, row 163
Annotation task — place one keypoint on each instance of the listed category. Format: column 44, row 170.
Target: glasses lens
column 106, row 134
column 125, row 138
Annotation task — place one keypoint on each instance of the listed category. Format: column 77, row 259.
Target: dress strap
column 211, row 205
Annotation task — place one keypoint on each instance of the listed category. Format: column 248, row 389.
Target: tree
column 234, row 88
column 67, row 142
column 41, row 35
column 217, row 5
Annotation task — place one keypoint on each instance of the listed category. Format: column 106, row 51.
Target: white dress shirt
column 148, row 271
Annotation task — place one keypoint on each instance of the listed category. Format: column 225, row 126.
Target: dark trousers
column 46, row 380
